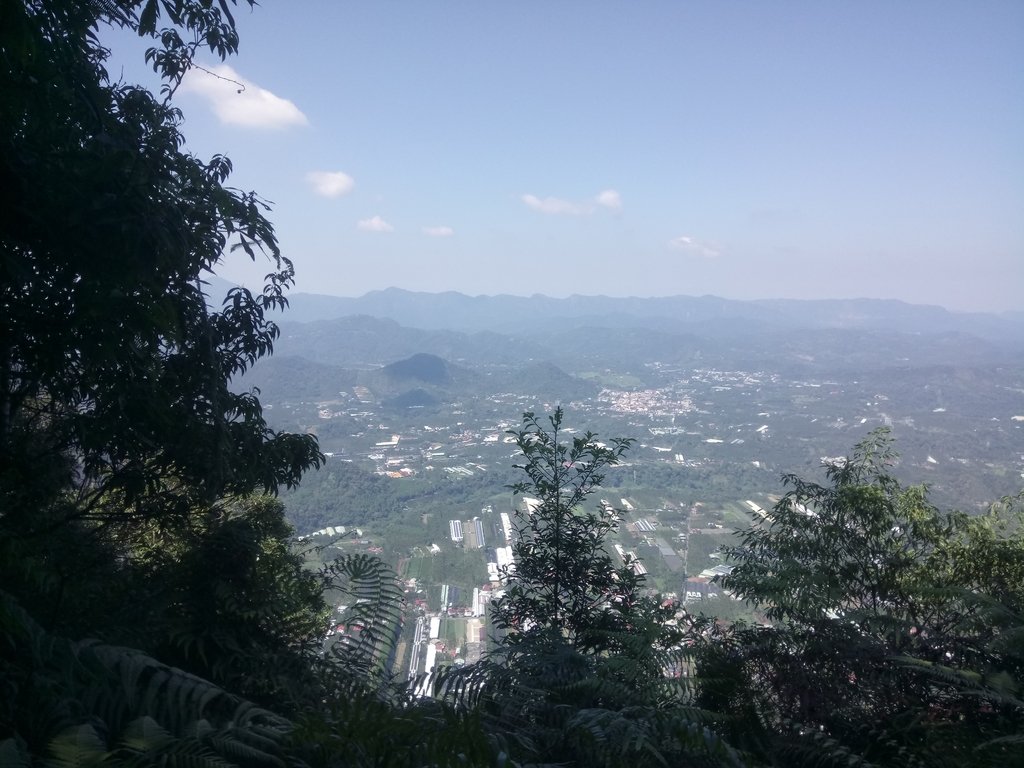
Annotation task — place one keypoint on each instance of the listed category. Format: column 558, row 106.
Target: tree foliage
column 126, row 458
column 113, row 371
column 587, row 669
column 127, row 461
column 564, row 582
column 895, row 628
column 86, row 703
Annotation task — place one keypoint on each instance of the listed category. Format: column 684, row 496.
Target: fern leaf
column 77, row 747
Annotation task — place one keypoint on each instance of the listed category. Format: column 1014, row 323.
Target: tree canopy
column 113, row 370
column 894, row 635
column 587, row 660
column 563, row 580
column 127, row 461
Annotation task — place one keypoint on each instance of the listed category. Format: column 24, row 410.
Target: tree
column 114, row 374
column 121, row 437
column 892, row 626
column 588, row 669
column 126, row 458
column 229, row 599
column 564, row 582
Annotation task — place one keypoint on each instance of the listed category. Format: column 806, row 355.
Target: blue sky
column 747, row 150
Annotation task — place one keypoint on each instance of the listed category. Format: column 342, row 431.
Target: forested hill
column 421, row 380
column 429, row 369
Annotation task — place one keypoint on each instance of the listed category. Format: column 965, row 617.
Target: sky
column 649, row 148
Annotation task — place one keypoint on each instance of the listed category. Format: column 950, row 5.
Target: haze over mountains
column 511, row 314
column 543, row 344
column 583, row 331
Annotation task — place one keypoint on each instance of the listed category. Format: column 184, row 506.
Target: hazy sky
column 748, row 150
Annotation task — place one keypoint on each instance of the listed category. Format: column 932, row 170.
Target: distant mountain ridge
column 509, row 315
column 419, row 348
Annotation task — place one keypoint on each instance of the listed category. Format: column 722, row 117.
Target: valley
column 420, row 444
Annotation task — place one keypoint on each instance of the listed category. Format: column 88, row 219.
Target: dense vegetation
column 895, row 635
column 154, row 609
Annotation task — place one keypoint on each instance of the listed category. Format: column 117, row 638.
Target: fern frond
column 79, row 746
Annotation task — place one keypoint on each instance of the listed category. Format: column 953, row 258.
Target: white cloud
column 438, row 231
column 554, row 205
column 610, row 199
column 693, row 247
column 330, row 183
column 237, row 101
column 376, row 224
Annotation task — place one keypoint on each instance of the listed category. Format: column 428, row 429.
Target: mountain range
column 417, row 348
column 704, row 314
